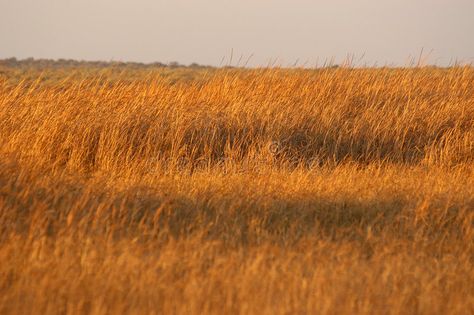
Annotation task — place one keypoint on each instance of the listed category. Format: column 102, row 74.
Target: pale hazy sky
column 205, row 31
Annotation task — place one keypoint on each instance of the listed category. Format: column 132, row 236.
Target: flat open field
column 266, row 191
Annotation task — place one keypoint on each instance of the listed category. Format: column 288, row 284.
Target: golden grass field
column 265, row 191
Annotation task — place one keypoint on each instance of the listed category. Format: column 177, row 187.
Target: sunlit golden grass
column 267, row 191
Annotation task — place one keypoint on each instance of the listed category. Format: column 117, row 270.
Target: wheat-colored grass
column 267, row 191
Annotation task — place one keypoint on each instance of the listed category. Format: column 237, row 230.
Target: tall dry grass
column 270, row 191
